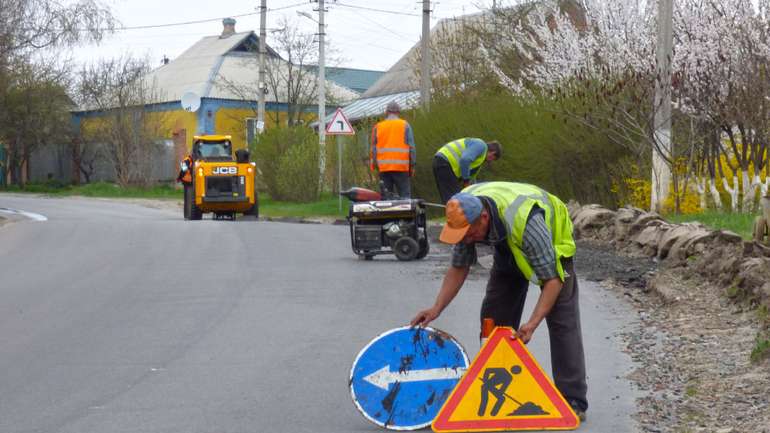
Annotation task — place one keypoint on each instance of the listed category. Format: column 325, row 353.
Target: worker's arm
column 373, row 150
column 453, row 281
column 409, row 139
column 548, row 295
column 473, row 149
column 537, row 246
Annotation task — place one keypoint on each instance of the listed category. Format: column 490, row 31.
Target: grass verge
column 99, row 189
column 740, row 223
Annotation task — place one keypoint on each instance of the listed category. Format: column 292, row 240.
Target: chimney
column 228, row 27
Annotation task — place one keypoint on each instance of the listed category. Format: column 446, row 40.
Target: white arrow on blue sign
column 401, row 379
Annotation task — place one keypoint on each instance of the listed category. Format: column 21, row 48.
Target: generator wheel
column 368, row 257
column 760, row 229
column 406, row 248
column 424, row 249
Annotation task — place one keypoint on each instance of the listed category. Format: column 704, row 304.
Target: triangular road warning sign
column 339, row 125
column 505, row 389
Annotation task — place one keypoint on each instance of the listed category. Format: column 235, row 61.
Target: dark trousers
column 448, row 184
column 395, row 183
column 504, row 302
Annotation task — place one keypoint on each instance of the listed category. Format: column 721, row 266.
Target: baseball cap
column 462, row 210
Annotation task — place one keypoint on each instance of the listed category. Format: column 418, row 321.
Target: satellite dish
column 191, row 101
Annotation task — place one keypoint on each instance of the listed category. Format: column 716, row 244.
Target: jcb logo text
column 225, row 170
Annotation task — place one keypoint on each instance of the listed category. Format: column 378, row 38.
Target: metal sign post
column 339, row 126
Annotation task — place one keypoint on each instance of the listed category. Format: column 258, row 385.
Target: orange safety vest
column 186, row 176
column 390, row 151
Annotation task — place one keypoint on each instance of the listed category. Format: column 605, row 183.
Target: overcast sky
column 365, row 39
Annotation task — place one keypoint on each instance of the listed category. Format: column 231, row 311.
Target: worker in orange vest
column 185, row 170
column 393, row 153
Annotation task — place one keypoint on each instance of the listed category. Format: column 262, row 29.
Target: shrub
column 539, row 146
column 298, row 168
column 287, row 159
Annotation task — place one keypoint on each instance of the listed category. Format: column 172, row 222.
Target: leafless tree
column 119, row 97
column 290, row 78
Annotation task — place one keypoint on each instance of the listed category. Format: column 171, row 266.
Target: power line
column 208, row 20
column 385, row 28
column 385, row 11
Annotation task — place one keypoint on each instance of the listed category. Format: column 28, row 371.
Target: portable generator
column 380, row 226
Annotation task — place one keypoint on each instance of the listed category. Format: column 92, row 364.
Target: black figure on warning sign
column 496, row 381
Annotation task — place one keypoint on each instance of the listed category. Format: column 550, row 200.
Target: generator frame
column 389, row 227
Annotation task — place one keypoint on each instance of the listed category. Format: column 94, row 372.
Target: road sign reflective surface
column 402, row 377
column 505, row 389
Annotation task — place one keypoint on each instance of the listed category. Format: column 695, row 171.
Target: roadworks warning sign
column 504, row 389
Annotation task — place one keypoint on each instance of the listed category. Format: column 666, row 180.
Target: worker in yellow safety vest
column 457, row 163
column 531, row 233
column 393, row 153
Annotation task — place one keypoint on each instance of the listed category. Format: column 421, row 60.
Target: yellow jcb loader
column 221, row 184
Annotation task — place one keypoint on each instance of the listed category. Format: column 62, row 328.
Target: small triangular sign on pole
column 504, row 389
column 339, row 125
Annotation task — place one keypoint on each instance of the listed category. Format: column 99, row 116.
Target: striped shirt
column 537, row 245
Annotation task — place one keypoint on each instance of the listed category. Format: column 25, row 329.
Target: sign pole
column 339, row 172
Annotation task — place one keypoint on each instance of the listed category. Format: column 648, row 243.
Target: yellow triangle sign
column 505, row 389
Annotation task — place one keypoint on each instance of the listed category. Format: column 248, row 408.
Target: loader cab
column 213, row 148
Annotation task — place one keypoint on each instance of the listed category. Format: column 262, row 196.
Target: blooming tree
column 598, row 58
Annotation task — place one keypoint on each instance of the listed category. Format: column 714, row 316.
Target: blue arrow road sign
column 401, row 379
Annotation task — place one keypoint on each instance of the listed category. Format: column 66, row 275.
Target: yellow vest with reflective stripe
column 453, row 151
column 514, row 203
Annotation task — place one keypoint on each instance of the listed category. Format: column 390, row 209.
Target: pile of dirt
column 719, row 257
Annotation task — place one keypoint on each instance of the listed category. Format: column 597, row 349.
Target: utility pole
column 661, row 171
column 321, row 91
column 425, row 64
column 262, row 85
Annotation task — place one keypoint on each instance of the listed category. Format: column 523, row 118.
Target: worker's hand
column 411, row 171
column 525, row 332
column 424, row 317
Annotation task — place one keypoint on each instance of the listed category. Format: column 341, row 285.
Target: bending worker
column 531, row 233
column 393, row 154
column 457, row 163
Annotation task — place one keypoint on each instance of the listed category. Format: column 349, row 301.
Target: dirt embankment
column 703, row 313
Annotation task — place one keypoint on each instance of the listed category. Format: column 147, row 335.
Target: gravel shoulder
column 692, row 343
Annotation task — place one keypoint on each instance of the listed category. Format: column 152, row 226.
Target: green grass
column 740, row 223
column 761, row 349
column 326, row 206
column 99, row 189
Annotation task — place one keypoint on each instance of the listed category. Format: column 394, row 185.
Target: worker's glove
column 183, row 166
column 466, row 183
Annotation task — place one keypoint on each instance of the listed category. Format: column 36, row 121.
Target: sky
column 362, row 37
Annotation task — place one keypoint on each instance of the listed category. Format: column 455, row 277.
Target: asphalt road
column 116, row 317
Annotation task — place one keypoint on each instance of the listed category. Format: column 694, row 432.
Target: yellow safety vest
column 514, row 203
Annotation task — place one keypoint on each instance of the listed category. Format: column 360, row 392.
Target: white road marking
column 31, row 215
column 383, row 377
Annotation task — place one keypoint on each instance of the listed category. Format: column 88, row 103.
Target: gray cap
column 393, row 107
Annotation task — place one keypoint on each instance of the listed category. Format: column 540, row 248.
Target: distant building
column 213, row 69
